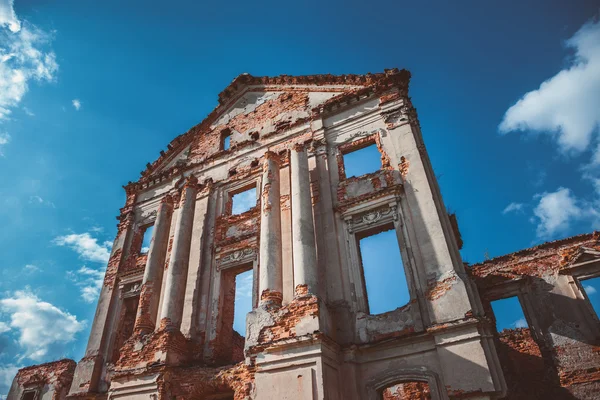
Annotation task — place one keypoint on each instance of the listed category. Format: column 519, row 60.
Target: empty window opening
column 237, row 288
column 383, row 270
column 126, row 324
column 243, row 301
column 407, row 391
column 362, row 161
column 243, row 201
column 509, row 314
column 225, row 139
column 29, row 395
column 147, row 239
column 592, row 290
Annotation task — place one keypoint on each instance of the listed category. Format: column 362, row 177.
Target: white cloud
column 555, row 211
column 4, row 327
column 76, row 104
column 86, row 246
column 24, row 56
column 589, row 289
column 513, row 207
column 89, row 281
column 28, row 112
column 43, row 328
column 8, row 18
column 4, row 140
column 567, row 104
column 520, row 323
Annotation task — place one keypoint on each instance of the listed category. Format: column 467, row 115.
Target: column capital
column 168, row 200
column 270, row 155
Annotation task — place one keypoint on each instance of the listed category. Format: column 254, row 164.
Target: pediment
column 252, row 106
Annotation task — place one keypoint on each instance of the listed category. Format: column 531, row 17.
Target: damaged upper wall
column 562, row 344
column 49, row 381
column 254, row 108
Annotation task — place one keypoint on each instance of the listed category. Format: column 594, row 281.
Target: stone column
column 303, row 230
column 270, row 284
column 173, row 298
column 145, row 321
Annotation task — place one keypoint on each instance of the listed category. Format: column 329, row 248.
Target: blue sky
column 507, row 94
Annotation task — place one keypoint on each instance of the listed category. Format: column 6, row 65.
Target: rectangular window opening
column 29, row 395
column 243, row 301
column 362, row 161
column 147, row 238
column 243, row 201
column 509, row 314
column 226, row 139
column 385, row 281
column 238, row 288
column 591, row 287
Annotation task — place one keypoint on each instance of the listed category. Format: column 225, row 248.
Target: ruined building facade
column 163, row 328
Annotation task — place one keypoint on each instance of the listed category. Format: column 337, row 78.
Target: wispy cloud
column 520, row 323
column 589, row 289
column 4, row 140
column 28, row 112
column 32, row 268
column 25, row 55
column 76, row 104
column 89, row 281
column 513, row 207
column 86, row 246
column 43, row 329
column 40, row 201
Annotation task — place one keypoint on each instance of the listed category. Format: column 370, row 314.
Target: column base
column 268, row 325
column 167, row 345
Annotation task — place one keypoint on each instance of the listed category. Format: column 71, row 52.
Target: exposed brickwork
column 407, row 391
column 198, row 382
column 543, row 260
column 57, row 374
column 437, row 288
column 286, row 319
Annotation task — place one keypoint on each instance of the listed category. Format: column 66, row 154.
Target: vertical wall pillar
column 172, row 307
column 270, row 275
column 90, row 370
column 145, row 321
column 303, row 230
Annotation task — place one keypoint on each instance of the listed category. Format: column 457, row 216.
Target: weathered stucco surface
column 163, row 327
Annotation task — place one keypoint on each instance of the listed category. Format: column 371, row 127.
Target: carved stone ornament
column 131, row 289
column 147, row 217
column 396, row 117
column 362, row 221
column 236, row 257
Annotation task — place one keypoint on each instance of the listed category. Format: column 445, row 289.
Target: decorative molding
column 236, row 257
column 146, row 218
column 358, row 222
column 130, row 289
